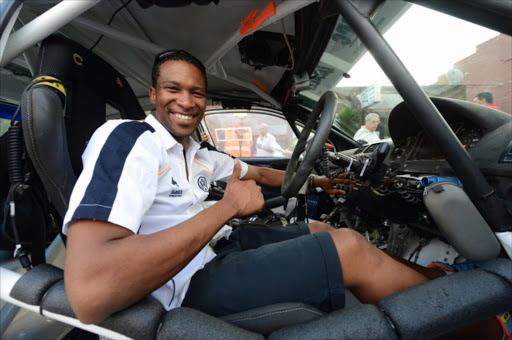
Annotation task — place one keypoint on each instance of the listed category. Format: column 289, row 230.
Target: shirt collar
column 167, row 139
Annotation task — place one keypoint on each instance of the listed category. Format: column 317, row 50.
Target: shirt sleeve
column 223, row 167
column 119, row 180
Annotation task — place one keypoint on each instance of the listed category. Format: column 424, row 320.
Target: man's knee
column 315, row 227
column 348, row 241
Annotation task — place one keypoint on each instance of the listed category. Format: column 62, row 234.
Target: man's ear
column 152, row 95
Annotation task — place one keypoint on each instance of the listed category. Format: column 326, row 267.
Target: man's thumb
column 237, row 170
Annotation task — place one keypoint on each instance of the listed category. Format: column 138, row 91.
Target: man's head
column 175, row 55
column 178, row 92
column 263, row 129
column 484, row 98
column 371, row 121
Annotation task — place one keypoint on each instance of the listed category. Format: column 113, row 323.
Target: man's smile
column 183, row 116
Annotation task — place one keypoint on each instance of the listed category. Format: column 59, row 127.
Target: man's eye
column 198, row 94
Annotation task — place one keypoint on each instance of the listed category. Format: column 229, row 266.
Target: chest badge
column 202, row 183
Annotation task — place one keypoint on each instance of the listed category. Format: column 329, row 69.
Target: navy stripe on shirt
column 102, row 189
column 209, row 147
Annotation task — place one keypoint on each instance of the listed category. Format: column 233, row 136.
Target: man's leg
column 370, row 273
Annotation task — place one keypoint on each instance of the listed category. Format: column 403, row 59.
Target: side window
column 250, row 134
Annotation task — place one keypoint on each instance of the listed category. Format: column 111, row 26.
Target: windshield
column 448, row 57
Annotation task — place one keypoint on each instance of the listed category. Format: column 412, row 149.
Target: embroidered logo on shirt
column 203, row 183
column 174, row 182
column 176, row 193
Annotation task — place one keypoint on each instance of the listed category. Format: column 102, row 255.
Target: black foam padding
column 31, row 286
column 360, row 322
column 267, row 319
column 187, row 323
column 501, row 267
column 442, row 305
column 140, row 321
column 56, row 301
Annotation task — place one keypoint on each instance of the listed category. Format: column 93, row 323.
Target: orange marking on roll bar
column 261, row 87
column 251, row 23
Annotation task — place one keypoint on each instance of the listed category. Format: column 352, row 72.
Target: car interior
column 439, row 188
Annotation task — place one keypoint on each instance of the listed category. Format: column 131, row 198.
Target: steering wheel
column 325, row 108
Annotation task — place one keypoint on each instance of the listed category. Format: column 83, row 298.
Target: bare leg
column 369, row 272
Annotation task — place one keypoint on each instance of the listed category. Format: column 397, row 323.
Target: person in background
column 238, row 140
column 266, row 144
column 485, row 98
column 367, row 132
column 205, row 137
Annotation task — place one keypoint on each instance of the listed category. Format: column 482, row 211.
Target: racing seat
column 55, row 142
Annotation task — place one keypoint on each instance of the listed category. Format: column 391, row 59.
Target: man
column 485, row 98
column 266, row 144
column 136, row 227
column 367, row 132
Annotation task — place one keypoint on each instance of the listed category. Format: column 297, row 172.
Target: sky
column 458, row 40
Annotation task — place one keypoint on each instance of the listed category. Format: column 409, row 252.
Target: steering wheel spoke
column 297, row 174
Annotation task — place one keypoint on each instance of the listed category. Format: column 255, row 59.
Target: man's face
column 263, row 130
column 372, row 124
column 179, row 97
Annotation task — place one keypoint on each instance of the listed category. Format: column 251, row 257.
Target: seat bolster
column 440, row 306
column 270, row 318
column 46, row 142
column 56, row 301
column 359, row 322
column 187, row 323
column 33, row 285
column 140, row 321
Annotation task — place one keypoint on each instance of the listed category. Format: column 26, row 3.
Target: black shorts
column 259, row 266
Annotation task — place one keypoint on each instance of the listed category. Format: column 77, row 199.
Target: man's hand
column 329, row 185
column 205, row 137
column 244, row 196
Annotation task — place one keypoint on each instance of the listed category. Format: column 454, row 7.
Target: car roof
column 241, row 43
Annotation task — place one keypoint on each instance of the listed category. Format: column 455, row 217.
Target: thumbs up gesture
column 244, row 196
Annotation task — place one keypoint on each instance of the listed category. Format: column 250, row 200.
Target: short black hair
column 485, row 95
column 167, row 55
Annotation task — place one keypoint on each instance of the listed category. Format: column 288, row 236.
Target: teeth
column 184, row 117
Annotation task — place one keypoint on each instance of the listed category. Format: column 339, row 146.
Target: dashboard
column 391, row 174
column 485, row 133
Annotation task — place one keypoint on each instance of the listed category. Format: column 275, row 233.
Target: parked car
column 436, row 186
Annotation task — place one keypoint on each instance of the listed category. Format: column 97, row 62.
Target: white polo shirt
column 265, row 141
column 134, row 176
column 364, row 134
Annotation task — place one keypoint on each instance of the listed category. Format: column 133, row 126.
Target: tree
column 348, row 120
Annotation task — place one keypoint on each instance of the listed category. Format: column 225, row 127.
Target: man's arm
column 274, row 178
column 108, row 268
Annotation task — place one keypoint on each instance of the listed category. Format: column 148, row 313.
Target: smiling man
column 136, row 225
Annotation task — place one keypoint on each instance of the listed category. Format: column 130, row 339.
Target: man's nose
column 185, row 100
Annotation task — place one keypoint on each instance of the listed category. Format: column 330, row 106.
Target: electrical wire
column 109, row 22
column 289, row 47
